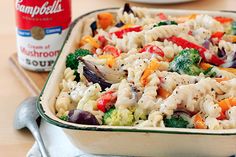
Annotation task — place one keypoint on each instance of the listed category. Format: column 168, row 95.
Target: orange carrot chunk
column 221, row 79
column 163, row 93
column 152, row 67
column 205, row 66
column 199, row 123
column 105, row 20
column 225, row 105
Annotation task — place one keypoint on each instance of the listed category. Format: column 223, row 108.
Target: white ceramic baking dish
column 132, row 140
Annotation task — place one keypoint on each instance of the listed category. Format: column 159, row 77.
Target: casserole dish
column 161, row 1
column 124, row 140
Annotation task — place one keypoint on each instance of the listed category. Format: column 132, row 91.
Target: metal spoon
column 25, row 117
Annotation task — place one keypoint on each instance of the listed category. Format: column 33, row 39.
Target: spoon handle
column 35, row 131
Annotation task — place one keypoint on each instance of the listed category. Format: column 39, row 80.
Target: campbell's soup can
column 41, row 28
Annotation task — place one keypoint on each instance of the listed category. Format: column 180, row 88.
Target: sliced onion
column 233, row 64
column 92, row 77
column 206, row 44
column 234, row 58
column 229, row 64
column 221, row 53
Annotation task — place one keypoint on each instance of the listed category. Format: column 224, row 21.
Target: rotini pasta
column 148, row 99
column 68, row 82
column 63, row 103
column 164, row 32
column 91, row 93
column 125, row 95
column 193, row 94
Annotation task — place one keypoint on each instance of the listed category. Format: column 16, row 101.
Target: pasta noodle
column 206, row 22
column 189, row 96
column 125, row 95
column 148, row 99
column 164, row 32
column 91, row 93
column 68, row 82
column 63, row 103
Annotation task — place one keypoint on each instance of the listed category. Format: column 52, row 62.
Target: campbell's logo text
column 44, row 9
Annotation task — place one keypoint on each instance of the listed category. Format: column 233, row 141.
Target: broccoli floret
column 77, row 76
column 140, row 114
column 64, row 117
column 176, row 122
column 118, row 117
column 73, row 63
column 209, row 72
column 72, row 59
column 186, row 62
column 234, row 28
column 163, row 23
column 192, row 54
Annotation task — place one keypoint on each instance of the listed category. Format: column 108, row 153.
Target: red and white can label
column 42, row 26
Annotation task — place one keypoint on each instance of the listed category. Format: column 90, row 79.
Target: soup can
column 41, row 28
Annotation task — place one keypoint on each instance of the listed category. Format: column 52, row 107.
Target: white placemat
column 57, row 144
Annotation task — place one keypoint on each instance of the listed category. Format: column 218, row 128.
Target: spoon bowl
column 26, row 112
column 25, row 117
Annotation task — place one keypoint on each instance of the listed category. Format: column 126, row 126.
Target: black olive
column 119, row 24
column 93, row 27
column 82, row 117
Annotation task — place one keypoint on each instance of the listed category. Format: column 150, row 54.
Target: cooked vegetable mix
column 147, row 68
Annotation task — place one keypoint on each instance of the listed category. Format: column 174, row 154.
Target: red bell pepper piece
column 216, row 37
column 204, row 53
column 108, row 49
column 122, row 32
column 106, row 101
column 152, row 49
column 223, row 19
column 102, row 40
column 162, row 16
column 190, row 32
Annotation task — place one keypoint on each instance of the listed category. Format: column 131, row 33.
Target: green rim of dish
column 99, row 128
